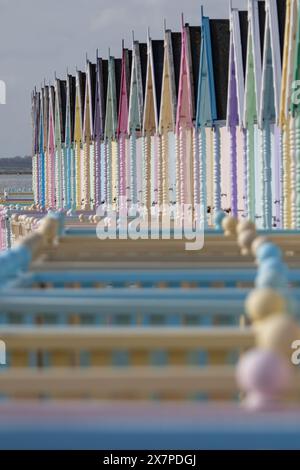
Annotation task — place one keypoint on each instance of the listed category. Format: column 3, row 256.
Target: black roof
column 158, row 61
column 118, row 73
column 176, row 49
column 62, row 86
column 143, row 58
column 262, row 23
column 92, row 68
column 195, row 40
column 72, row 103
column 220, row 39
column 281, row 9
column 243, row 15
column 82, row 81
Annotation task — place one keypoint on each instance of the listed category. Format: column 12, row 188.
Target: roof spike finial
column 55, row 76
column 109, row 52
column 123, row 44
column 133, row 36
column 182, row 21
column 230, row 7
column 165, row 25
column 202, row 12
column 148, row 35
column 86, row 58
column 97, row 53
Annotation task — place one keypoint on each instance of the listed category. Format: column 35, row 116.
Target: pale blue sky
column 38, row 37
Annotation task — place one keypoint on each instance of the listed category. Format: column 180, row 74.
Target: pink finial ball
column 81, row 217
column 229, row 225
column 263, row 375
column 261, row 303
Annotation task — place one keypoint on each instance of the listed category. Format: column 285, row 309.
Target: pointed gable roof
column 80, row 93
column 137, row 85
column 273, row 50
column 112, row 101
column 189, row 74
column 89, row 97
column 124, row 91
column 152, row 99
column 237, row 66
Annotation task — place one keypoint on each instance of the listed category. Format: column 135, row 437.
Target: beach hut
column 51, row 196
column 295, row 140
column 212, row 106
column 60, row 151
column 167, row 115
column 286, row 118
column 235, row 107
column 99, row 123
column 89, row 169
column 255, row 46
column 78, row 131
column 35, row 103
column 69, row 184
column 110, row 133
column 139, row 144
column 152, row 158
column 41, row 162
column 270, row 111
column 187, row 181
column 123, row 115
column 45, row 138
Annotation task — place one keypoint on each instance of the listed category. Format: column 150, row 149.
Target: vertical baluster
column 182, row 156
column 267, row 176
column 203, row 171
column 97, row 172
column 196, row 168
column 293, row 173
column 297, row 142
column 78, row 175
column 158, row 161
column 250, row 194
column 233, row 165
column 146, row 171
column 177, row 152
column 165, row 167
column 217, row 168
column 108, row 174
column 133, row 169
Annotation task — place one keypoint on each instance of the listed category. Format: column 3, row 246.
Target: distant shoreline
column 15, row 172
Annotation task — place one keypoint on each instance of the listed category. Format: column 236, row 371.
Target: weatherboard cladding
column 262, row 22
column 195, row 42
column 281, row 9
column 158, row 64
column 176, row 50
column 243, row 16
column 220, row 39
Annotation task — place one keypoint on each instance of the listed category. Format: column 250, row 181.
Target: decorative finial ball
column 271, row 278
column 268, row 250
column 245, row 240
column 261, row 303
column 263, row 375
column 81, row 217
column 245, row 225
column 257, row 243
column 229, row 225
column 96, row 219
column 91, row 219
column 219, row 217
column 273, row 264
column 277, row 333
